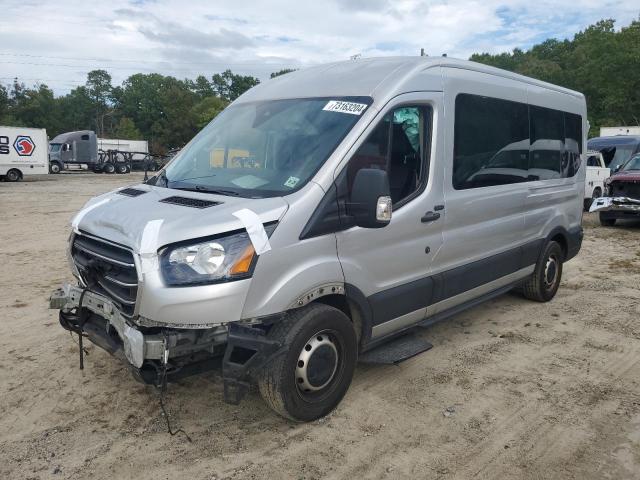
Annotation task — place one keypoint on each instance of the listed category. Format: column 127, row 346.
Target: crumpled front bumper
column 241, row 350
column 111, row 329
column 616, row 204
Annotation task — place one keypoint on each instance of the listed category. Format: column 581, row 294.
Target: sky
column 57, row 43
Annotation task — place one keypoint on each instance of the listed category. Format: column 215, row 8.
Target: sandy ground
column 511, row 389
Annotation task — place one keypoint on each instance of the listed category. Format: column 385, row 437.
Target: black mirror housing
column 370, row 202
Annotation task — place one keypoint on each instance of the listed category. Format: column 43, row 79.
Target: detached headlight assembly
column 219, row 259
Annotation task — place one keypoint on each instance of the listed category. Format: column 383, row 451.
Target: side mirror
column 618, row 167
column 370, row 203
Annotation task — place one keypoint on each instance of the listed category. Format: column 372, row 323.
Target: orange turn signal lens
column 243, row 264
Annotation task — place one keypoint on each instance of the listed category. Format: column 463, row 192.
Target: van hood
column 628, row 176
column 121, row 218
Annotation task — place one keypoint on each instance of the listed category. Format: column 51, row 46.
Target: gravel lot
column 511, row 389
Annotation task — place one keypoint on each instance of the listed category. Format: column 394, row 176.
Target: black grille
column 625, row 189
column 107, row 269
column 190, row 202
column 130, row 192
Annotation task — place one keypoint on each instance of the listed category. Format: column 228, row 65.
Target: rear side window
column 547, row 144
column 491, row 142
column 498, row 142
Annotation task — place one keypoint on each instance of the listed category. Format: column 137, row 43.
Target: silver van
column 326, row 212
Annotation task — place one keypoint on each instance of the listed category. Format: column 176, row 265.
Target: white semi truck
column 23, row 151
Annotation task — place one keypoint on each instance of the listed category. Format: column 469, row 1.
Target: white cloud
column 58, row 42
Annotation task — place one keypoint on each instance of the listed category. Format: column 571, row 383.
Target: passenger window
column 399, row 145
column 84, row 137
column 546, row 159
column 573, row 142
column 592, row 162
column 491, row 142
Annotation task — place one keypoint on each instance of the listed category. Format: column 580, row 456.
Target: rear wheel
column 543, row 284
column 121, row 167
column 13, row 175
column 108, row 168
column 607, row 222
column 312, row 375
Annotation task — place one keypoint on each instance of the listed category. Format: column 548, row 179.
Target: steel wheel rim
column 551, row 272
column 313, row 374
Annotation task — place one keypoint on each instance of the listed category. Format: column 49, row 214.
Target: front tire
column 543, row 284
column 108, row 168
column 607, row 222
column 121, row 168
column 55, row 167
column 312, row 375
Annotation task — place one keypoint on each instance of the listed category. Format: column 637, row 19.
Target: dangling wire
column 162, row 387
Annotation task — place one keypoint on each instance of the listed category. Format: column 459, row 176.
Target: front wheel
column 314, row 371
column 108, row 168
column 606, row 222
column 55, row 167
column 121, row 168
column 543, row 284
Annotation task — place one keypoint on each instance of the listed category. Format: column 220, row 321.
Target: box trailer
column 23, row 151
column 137, row 146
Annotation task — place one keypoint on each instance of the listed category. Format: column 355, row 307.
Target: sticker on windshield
column 345, row 107
column 291, row 182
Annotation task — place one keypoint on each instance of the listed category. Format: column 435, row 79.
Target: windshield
column 55, row 147
column 615, row 155
column 633, row 164
column 263, row 149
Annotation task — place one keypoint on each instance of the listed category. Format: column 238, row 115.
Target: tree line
column 600, row 62
column 162, row 109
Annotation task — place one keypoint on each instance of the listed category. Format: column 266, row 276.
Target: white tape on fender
column 255, row 229
column 149, row 240
column 149, row 246
column 80, row 215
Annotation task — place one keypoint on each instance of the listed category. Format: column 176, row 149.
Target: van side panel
column 556, row 203
column 480, row 222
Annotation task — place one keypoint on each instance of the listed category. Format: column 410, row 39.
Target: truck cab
column 596, row 175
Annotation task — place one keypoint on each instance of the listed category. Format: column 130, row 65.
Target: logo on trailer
column 24, row 146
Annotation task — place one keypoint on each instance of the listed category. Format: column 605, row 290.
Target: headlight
column 219, row 259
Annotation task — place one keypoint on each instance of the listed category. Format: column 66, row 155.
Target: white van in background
column 23, row 151
column 597, row 173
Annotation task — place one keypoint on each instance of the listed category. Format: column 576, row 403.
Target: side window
column 84, row 137
column 573, row 143
column 398, row 145
column 592, row 161
column 546, row 159
column 491, row 142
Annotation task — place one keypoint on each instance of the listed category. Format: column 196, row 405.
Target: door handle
column 430, row 217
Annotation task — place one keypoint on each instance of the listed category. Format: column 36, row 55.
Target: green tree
column 230, row 86
column 207, row 109
column 126, row 129
column 100, row 91
column 282, row 72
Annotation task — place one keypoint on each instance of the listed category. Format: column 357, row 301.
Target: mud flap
column 248, row 350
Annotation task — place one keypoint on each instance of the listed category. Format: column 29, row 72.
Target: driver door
column 391, row 265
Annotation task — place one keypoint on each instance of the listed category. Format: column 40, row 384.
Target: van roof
column 374, row 77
